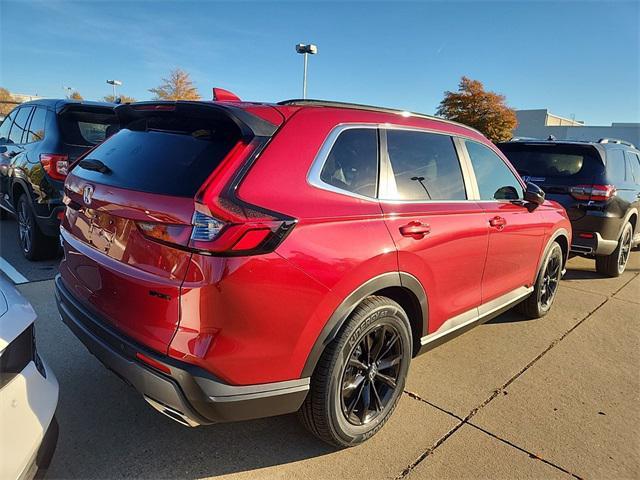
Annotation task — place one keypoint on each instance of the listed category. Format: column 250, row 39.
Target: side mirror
column 534, row 195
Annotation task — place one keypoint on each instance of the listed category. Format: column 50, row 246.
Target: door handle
column 415, row 229
column 498, row 222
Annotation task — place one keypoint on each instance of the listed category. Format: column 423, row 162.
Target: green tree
column 485, row 111
column 7, row 102
column 178, row 86
column 123, row 99
column 75, row 95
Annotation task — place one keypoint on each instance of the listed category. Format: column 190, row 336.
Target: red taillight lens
column 597, row 193
column 166, row 233
column 55, row 165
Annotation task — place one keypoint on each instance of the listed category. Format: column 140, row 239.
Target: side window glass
column 36, row 127
column 424, row 166
column 6, row 127
column 20, row 124
column 633, row 164
column 352, row 163
column 615, row 166
column 496, row 181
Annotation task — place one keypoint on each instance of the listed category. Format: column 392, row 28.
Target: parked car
column 598, row 183
column 28, row 392
column 38, row 141
column 238, row 260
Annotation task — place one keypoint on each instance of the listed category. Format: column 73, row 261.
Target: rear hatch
column 566, row 172
column 134, row 210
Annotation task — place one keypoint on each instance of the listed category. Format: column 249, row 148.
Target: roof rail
column 616, row 140
column 371, row 108
column 522, row 139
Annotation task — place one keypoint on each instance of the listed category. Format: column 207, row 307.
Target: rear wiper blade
column 95, row 165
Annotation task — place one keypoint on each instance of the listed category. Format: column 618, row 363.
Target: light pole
column 113, row 83
column 305, row 50
column 68, row 90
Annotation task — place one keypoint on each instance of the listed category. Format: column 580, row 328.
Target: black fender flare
column 348, row 305
column 560, row 232
column 627, row 217
column 26, row 189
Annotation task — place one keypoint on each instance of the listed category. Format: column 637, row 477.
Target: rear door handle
column 415, row 229
column 498, row 222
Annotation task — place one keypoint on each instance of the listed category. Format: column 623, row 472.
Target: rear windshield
column 551, row 160
column 166, row 155
column 87, row 128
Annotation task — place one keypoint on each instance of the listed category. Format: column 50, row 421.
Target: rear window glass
column 87, row 128
column 169, row 156
column 553, row 160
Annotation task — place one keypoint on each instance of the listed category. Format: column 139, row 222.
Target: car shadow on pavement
column 107, row 430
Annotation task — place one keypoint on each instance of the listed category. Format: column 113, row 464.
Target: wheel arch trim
column 560, row 232
column 349, row 304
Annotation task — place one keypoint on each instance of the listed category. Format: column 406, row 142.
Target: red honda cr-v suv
column 237, row 260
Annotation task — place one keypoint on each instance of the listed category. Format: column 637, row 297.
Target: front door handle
column 415, row 229
column 498, row 222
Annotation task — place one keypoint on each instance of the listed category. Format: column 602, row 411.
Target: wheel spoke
column 389, row 362
column 386, row 379
column 379, row 343
column 351, row 386
column 390, row 345
column 354, row 362
column 366, row 401
column 355, row 400
column 379, row 406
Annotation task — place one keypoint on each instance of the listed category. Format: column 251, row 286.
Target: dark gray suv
column 598, row 183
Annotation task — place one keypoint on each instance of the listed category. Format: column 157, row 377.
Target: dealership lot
column 548, row 398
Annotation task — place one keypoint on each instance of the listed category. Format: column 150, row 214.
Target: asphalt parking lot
column 551, row 398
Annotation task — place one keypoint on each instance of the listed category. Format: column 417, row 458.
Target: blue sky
column 575, row 58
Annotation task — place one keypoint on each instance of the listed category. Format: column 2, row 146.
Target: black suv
column 38, row 142
column 598, row 183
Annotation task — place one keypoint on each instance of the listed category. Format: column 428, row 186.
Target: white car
column 28, row 392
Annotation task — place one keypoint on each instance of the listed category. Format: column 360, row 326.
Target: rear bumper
column 605, row 230
column 185, row 393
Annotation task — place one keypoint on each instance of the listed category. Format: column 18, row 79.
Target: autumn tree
column 7, row 102
column 123, row 99
column 485, row 111
column 178, row 86
column 75, row 95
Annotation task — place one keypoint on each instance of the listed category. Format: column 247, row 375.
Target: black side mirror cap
column 534, row 195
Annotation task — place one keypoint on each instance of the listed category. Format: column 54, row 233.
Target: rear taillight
column 223, row 224
column 597, row 193
column 55, row 165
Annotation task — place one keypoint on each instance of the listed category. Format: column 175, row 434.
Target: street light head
column 114, row 82
column 310, row 48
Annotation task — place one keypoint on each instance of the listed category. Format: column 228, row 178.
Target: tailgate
column 129, row 280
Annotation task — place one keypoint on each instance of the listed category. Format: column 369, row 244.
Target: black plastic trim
column 340, row 315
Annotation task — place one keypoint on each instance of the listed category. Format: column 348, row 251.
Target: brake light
column 55, row 165
column 156, row 107
column 597, row 193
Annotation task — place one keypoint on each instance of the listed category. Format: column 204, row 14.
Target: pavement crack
column 493, row 395
column 530, row 454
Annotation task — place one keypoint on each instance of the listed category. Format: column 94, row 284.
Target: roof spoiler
column 250, row 125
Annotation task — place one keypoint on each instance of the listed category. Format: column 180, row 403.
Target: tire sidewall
column 619, row 249
column 384, row 314
column 29, row 254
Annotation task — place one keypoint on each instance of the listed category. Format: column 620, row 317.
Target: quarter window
column 422, row 166
column 20, row 125
column 352, row 163
column 615, row 166
column 36, row 127
column 495, row 179
column 633, row 162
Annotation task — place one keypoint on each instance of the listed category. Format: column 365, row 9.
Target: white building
column 541, row 123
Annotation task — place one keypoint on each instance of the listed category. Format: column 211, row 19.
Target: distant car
column 28, row 392
column 237, row 260
column 598, row 183
column 38, row 141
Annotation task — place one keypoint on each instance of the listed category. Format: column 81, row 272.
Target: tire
column 539, row 303
column 613, row 265
column 4, row 215
column 344, row 381
column 34, row 244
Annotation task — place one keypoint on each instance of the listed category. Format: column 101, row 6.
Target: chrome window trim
column 313, row 176
column 468, row 177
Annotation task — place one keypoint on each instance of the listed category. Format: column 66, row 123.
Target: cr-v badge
column 87, row 193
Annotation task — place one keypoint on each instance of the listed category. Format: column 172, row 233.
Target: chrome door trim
column 476, row 315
